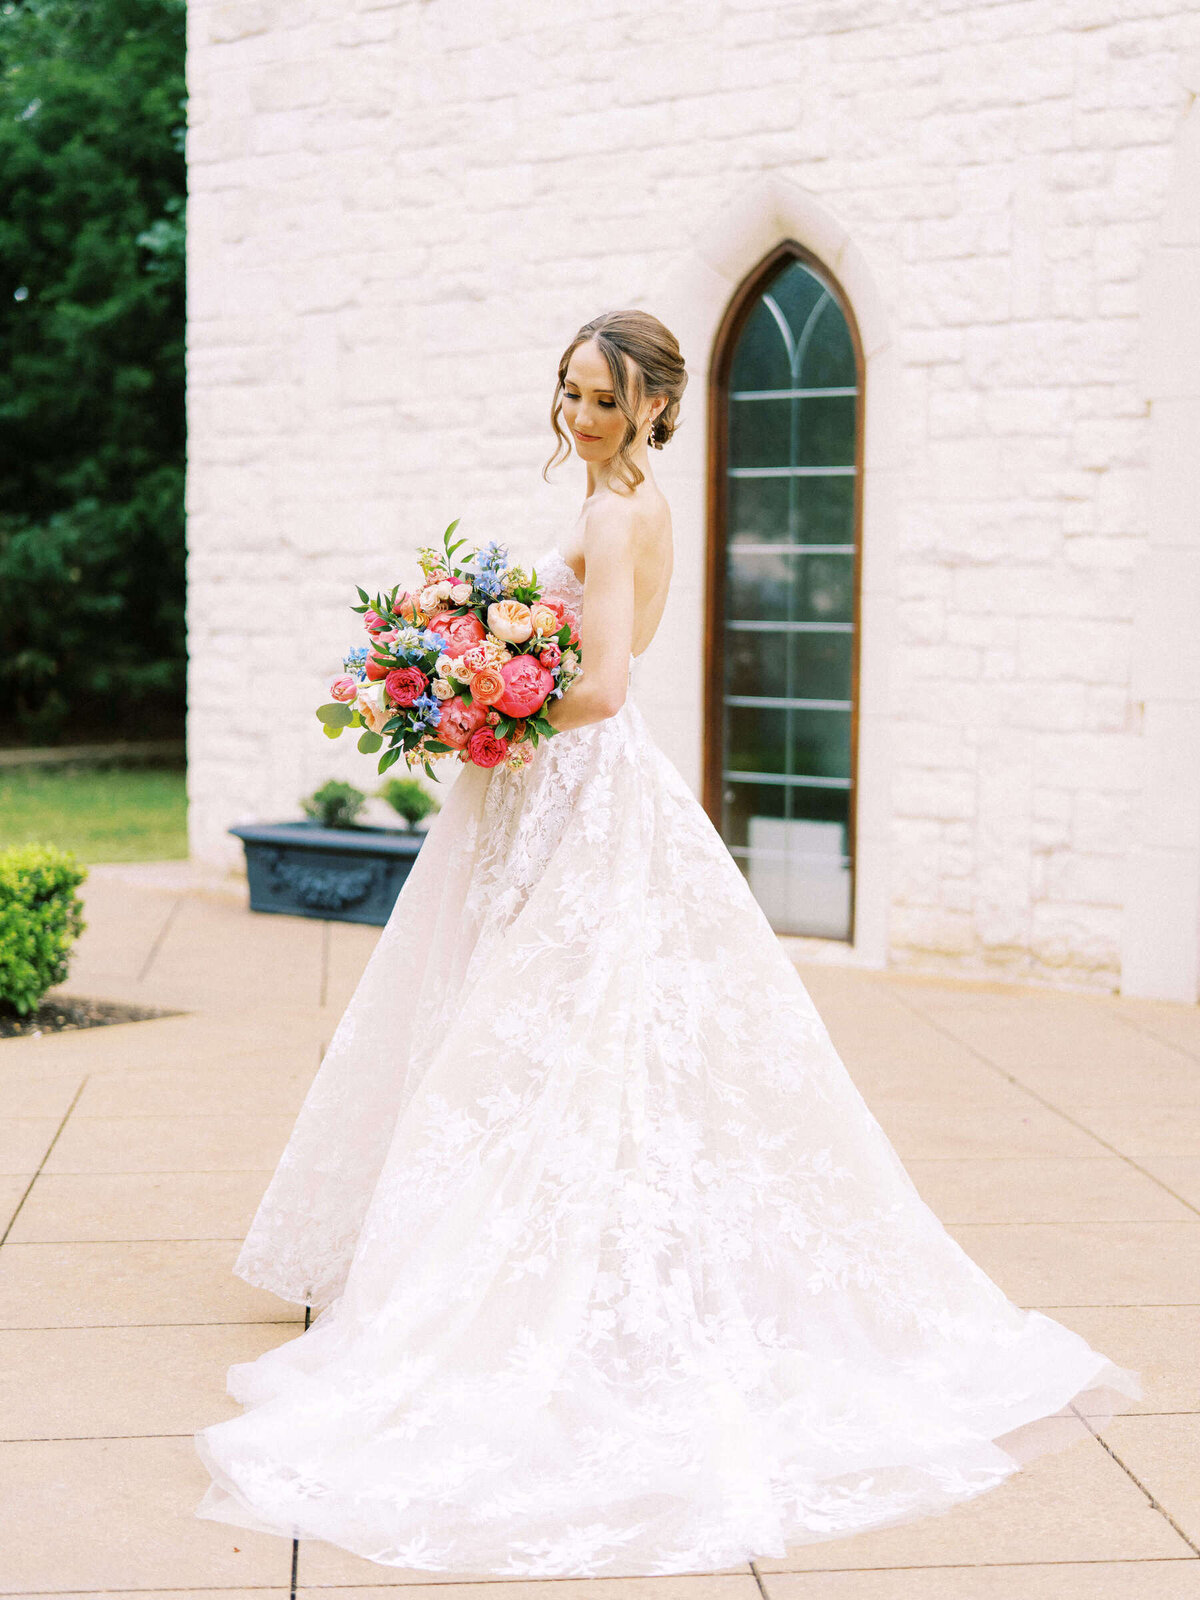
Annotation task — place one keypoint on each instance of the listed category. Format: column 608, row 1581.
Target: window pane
column 806, row 510
column 762, row 359
column 789, row 586
column 760, row 433
column 820, row 743
column 828, row 358
column 820, row 664
column 756, row 739
column 823, row 431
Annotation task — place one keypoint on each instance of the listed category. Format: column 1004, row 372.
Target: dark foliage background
column 92, row 195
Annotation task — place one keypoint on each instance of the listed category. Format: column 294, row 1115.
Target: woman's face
column 588, row 407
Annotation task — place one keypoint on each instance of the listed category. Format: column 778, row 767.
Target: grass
column 99, row 813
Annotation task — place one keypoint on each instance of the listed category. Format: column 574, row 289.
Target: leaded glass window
column 791, row 410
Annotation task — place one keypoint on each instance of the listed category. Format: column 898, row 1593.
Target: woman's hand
column 606, row 639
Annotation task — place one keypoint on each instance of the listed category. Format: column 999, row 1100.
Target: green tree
column 92, row 423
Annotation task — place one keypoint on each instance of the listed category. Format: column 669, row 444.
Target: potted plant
column 330, row 865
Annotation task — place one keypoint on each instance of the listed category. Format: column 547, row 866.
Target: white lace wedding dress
column 619, row 1274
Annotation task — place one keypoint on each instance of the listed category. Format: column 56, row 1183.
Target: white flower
column 429, row 599
column 442, row 689
column 444, row 589
column 570, row 660
column 443, row 665
column 460, row 593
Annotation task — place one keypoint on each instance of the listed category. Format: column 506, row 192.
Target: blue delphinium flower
column 356, row 662
column 487, row 568
column 426, row 711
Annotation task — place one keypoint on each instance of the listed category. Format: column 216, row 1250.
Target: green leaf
column 389, row 757
column 533, row 734
column 430, row 771
column 369, row 742
column 332, row 732
column 451, row 528
column 335, row 714
column 436, row 744
column 362, row 595
column 563, row 634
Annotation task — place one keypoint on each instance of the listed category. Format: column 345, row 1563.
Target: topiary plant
column 408, row 798
column 334, row 804
column 41, row 916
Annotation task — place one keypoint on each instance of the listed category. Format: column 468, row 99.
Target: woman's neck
column 601, row 476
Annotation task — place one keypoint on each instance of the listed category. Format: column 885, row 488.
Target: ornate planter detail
column 339, row 874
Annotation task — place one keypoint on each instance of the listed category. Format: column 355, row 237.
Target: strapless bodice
column 557, row 578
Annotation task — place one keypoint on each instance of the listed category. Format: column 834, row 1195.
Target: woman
column 619, row 1274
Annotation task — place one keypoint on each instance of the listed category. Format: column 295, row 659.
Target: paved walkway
column 1055, row 1135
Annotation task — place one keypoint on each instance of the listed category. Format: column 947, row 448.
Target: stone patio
column 1054, row 1134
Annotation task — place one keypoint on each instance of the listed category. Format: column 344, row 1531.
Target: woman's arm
column 606, row 640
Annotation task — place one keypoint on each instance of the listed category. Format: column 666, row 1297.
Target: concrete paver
column 1055, row 1135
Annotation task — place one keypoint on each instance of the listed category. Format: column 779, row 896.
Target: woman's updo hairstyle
column 658, row 369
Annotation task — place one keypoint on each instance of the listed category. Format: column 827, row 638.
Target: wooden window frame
column 737, row 313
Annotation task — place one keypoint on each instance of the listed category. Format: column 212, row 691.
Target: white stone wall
column 401, row 210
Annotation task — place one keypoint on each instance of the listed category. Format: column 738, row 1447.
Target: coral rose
column 487, row 685
column 344, row 688
column 376, row 669
column 526, row 685
column 510, row 620
column 458, row 721
column 458, row 633
column 405, row 686
column 484, row 749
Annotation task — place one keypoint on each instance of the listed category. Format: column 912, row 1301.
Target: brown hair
column 658, row 369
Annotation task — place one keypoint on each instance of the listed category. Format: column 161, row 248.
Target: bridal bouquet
column 460, row 666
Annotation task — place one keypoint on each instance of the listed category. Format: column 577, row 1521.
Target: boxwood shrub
column 41, row 916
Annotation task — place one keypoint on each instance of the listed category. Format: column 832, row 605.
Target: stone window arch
column 783, row 590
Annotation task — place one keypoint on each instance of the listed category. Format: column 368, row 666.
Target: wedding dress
column 618, row 1273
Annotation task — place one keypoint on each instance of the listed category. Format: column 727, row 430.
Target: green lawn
column 102, row 814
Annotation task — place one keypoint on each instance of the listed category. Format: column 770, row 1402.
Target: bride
column 616, row 1272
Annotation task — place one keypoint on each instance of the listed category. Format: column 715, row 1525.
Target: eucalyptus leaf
column 369, row 742
column 332, row 732
column 335, row 715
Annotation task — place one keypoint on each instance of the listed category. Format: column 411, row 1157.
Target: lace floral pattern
column 641, row 1289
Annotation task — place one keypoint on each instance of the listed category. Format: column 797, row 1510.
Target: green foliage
column 41, row 916
column 334, row 804
column 409, row 798
column 92, row 187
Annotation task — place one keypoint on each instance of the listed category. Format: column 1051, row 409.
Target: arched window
column 785, row 505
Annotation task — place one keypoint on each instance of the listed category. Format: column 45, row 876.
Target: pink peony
column 405, row 685
column 344, row 688
column 484, row 749
column 564, row 614
column 526, row 685
column 459, row 633
column 458, row 721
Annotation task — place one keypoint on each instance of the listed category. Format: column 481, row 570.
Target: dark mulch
column 64, row 1014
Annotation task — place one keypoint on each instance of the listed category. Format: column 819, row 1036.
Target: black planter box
column 339, row 874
